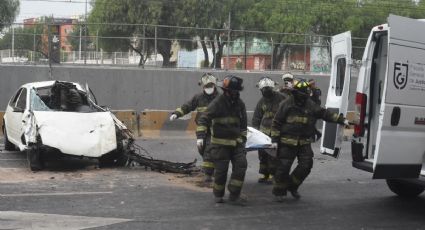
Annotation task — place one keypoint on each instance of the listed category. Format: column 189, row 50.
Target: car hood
column 80, row 134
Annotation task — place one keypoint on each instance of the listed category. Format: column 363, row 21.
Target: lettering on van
column 416, row 80
column 419, row 120
column 401, row 72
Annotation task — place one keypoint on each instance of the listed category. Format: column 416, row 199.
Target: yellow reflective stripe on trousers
column 207, row 164
column 201, row 128
column 219, row 141
column 236, row 183
column 180, row 110
column 225, row 120
column 218, row 187
column 201, row 109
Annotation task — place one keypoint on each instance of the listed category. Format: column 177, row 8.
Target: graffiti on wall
column 320, row 59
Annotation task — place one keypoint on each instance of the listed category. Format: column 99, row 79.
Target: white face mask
column 288, row 84
column 209, row 91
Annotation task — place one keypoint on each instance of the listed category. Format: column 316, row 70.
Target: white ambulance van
column 389, row 135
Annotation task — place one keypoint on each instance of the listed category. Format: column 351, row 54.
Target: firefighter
column 226, row 118
column 199, row 102
column 288, row 83
column 262, row 120
column 292, row 129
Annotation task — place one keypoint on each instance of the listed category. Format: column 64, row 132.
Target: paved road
column 335, row 196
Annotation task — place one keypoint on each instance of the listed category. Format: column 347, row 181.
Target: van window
column 22, row 101
column 340, row 76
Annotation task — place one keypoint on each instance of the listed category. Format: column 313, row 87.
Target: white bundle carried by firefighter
column 257, row 140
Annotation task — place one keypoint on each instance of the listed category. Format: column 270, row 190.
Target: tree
column 26, row 39
column 9, row 9
column 125, row 25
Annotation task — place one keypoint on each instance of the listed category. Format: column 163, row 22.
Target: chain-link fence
column 65, row 41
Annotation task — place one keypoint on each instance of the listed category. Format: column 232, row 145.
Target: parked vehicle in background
column 44, row 118
column 389, row 135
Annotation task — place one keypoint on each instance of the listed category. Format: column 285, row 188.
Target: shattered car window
column 37, row 104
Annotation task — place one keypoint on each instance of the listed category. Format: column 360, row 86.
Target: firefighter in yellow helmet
column 226, row 118
column 199, row 103
column 292, row 129
column 262, row 120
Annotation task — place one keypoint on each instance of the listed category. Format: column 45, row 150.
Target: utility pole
column 85, row 36
column 79, row 55
column 228, row 42
column 13, row 43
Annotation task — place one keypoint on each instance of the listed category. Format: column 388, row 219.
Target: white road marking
column 31, row 221
column 13, row 159
column 53, row 194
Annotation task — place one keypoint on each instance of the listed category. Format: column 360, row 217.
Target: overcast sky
column 31, row 9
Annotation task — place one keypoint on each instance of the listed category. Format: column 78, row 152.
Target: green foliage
column 26, row 39
column 9, row 9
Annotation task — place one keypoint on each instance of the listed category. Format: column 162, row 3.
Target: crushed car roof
column 41, row 84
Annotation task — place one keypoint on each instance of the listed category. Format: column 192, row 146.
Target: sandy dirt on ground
column 192, row 182
column 21, row 175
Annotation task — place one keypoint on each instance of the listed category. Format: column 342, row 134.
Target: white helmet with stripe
column 266, row 82
column 206, row 79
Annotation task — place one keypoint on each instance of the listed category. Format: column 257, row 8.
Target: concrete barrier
column 129, row 118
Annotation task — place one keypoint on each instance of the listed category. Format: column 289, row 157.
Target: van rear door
column 337, row 99
column 400, row 142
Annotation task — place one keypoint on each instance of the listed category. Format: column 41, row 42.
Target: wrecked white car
column 48, row 117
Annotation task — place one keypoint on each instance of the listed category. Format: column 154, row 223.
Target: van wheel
column 403, row 188
column 8, row 146
column 34, row 158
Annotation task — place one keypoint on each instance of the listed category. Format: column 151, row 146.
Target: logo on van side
column 401, row 71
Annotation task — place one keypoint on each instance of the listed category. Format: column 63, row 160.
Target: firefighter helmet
column 231, row 82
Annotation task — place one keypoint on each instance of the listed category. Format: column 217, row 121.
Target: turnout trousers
column 222, row 156
column 267, row 163
column 207, row 162
column 284, row 180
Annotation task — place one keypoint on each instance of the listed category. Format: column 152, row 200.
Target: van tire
column 8, row 146
column 404, row 189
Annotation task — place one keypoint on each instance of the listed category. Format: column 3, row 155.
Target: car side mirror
column 18, row 110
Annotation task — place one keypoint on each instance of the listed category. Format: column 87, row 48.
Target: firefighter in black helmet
column 226, row 118
column 199, row 102
column 292, row 129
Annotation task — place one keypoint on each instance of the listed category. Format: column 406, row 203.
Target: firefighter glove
column 200, row 143
column 173, row 117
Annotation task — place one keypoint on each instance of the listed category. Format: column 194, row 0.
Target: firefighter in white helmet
column 200, row 102
column 262, row 120
column 288, row 84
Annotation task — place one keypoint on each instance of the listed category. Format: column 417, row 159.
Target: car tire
column 8, row 146
column 114, row 159
column 34, row 158
column 404, row 189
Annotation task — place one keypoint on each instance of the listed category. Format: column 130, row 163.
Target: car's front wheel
column 7, row 144
column 113, row 159
column 404, row 189
column 34, row 158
